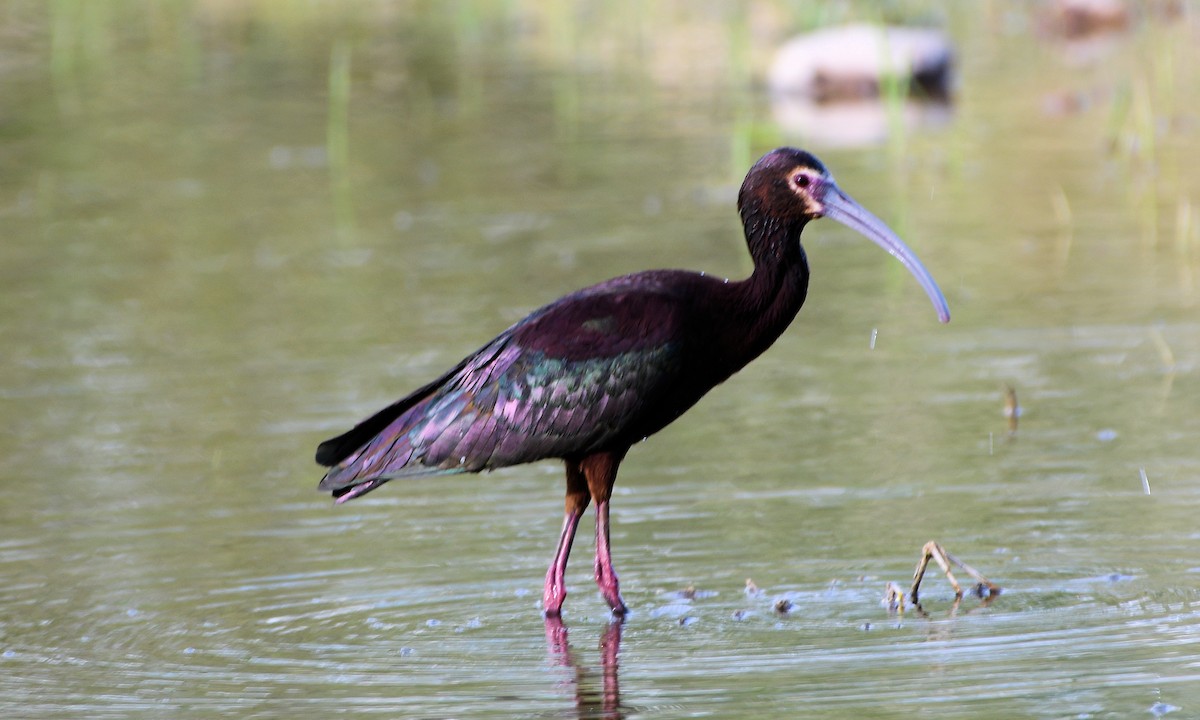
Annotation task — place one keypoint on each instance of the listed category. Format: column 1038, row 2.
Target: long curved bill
column 839, row 206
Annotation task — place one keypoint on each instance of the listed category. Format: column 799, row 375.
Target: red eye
column 801, row 180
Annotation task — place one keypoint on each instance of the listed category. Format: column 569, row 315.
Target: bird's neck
column 765, row 303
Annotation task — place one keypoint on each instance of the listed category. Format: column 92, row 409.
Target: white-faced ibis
column 587, row 376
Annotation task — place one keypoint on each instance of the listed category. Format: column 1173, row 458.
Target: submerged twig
column 1164, row 350
column 894, row 597
column 1012, row 409
column 984, row 589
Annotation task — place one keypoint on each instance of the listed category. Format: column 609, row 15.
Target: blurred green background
column 229, row 230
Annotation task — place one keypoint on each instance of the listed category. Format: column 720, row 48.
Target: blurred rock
column 854, row 61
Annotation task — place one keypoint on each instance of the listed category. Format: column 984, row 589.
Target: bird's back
column 602, row 367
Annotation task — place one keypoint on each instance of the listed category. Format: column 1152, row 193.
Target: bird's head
column 787, row 188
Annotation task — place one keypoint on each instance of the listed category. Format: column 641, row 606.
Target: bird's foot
column 619, row 609
column 610, row 590
column 553, row 596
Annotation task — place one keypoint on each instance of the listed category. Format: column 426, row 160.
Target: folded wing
column 571, row 378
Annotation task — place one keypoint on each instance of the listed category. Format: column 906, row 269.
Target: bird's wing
column 570, row 378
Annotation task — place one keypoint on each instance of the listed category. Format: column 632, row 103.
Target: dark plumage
column 588, row 375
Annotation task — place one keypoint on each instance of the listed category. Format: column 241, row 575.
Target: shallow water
column 230, row 233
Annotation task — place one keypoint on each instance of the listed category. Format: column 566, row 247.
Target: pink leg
column 577, row 501
column 606, row 577
column 556, row 584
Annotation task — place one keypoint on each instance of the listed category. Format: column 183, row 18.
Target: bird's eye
column 801, row 180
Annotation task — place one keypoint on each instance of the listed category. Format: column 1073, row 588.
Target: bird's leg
column 555, row 591
column 606, row 577
column 601, row 472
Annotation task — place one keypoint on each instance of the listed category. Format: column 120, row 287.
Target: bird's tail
column 345, row 493
column 388, row 445
column 353, row 458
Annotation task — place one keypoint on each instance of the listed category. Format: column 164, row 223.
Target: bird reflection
column 591, row 700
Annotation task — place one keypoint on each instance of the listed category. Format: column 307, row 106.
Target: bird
column 589, row 375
